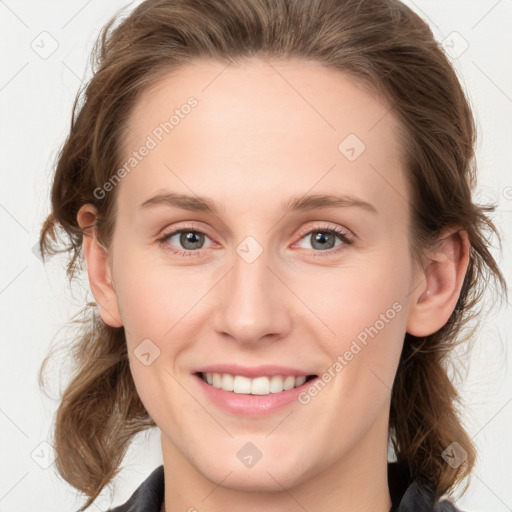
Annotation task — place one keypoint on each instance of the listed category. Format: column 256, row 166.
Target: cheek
column 367, row 312
column 151, row 297
column 371, row 294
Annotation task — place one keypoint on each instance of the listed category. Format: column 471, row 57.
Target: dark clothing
column 406, row 495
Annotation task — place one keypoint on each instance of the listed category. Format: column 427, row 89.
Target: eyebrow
column 317, row 201
column 302, row 203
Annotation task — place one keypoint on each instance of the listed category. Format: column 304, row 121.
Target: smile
column 264, row 385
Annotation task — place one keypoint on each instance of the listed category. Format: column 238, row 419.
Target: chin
column 261, row 477
column 258, row 482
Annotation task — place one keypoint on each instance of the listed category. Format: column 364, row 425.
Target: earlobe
column 433, row 300
column 98, row 268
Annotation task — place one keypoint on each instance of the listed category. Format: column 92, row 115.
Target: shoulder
column 446, row 506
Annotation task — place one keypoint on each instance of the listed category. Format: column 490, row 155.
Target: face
column 293, row 307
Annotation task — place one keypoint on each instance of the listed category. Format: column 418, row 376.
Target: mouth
column 260, row 385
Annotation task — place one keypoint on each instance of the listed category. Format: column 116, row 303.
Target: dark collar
column 148, row 497
column 406, row 495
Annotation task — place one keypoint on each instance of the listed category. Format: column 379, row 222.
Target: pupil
column 191, row 238
column 321, row 237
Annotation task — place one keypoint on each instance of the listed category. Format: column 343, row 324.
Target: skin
column 261, row 133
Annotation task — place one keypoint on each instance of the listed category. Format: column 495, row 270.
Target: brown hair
column 383, row 44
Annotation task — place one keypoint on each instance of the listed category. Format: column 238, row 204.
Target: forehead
column 292, row 124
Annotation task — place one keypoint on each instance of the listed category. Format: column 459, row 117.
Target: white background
column 36, row 96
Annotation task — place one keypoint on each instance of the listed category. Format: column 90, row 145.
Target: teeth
column 228, row 382
column 260, row 386
column 242, row 385
column 257, row 386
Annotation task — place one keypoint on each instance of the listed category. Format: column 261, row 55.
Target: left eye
column 325, row 239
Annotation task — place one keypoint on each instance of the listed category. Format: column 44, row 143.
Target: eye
column 323, row 239
column 191, row 240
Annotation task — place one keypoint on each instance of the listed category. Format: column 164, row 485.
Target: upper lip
column 253, row 371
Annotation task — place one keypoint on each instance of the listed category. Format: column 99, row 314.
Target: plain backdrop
column 44, row 59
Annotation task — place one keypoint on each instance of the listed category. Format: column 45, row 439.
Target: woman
column 273, row 200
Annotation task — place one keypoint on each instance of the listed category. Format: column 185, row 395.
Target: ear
column 98, row 269
column 434, row 299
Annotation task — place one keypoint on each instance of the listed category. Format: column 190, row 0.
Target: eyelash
column 345, row 238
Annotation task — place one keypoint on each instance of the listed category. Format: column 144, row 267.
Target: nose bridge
column 253, row 302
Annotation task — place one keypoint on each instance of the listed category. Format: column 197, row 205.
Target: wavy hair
column 382, row 44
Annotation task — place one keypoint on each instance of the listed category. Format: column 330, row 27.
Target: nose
column 253, row 303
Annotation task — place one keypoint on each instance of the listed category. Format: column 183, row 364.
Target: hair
column 381, row 43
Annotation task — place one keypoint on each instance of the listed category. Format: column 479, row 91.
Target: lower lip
column 251, row 405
